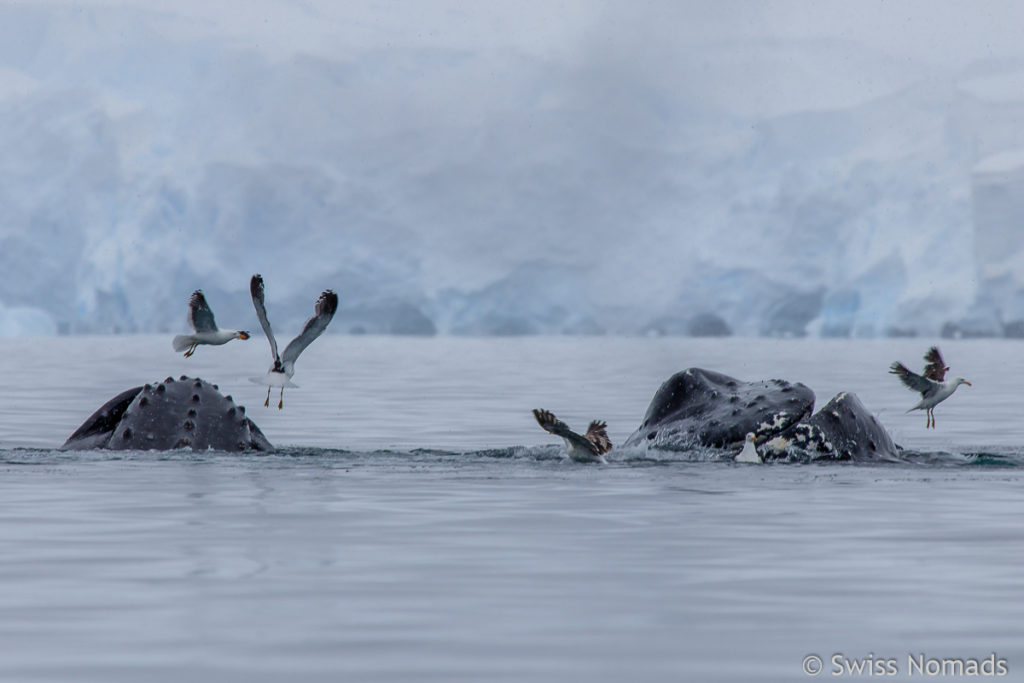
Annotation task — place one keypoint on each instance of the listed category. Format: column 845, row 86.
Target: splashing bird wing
column 551, row 424
column 597, row 435
column 199, row 314
column 256, row 290
column 936, row 367
column 326, row 306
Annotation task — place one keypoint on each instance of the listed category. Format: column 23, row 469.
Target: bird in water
column 280, row 373
column 201, row 318
column 589, row 447
column 749, row 452
column 932, row 385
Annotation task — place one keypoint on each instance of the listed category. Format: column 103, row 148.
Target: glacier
column 541, row 182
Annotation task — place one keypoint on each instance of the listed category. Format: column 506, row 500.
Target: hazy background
column 587, row 167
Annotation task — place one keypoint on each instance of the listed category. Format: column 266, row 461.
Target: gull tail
column 181, row 342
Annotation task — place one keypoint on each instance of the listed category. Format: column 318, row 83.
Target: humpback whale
column 187, row 413
column 842, row 430
column 702, row 408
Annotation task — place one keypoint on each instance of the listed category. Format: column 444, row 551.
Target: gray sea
column 417, row 525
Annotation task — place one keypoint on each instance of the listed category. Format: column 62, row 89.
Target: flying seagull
column 589, row 447
column 201, row 318
column 932, row 385
column 280, row 373
column 749, row 452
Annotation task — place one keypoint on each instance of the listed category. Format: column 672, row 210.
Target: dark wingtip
column 544, row 418
column 256, row 285
column 327, row 303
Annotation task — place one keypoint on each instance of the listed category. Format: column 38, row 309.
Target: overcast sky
column 937, row 32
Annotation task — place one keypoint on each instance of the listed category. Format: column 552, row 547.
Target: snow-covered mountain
column 529, row 179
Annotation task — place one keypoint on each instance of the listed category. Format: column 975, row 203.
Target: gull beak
column 968, row 383
column 243, row 335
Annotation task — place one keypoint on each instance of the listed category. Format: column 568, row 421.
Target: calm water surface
column 416, row 524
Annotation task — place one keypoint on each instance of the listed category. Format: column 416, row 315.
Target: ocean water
column 417, row 525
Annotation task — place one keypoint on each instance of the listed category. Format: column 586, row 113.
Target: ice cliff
column 468, row 189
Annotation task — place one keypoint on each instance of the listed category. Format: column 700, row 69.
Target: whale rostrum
column 184, row 413
column 698, row 407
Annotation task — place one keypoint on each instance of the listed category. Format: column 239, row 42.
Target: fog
column 484, row 168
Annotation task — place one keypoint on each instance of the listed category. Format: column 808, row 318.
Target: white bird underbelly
column 749, row 453
column 936, row 398
column 215, row 338
column 275, row 379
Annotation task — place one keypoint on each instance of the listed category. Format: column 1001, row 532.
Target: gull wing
column 936, row 368
column 914, row 381
column 597, row 435
column 326, row 306
column 256, row 290
column 551, row 424
column 199, row 314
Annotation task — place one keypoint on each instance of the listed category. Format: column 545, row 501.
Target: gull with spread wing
column 280, row 373
column 201, row 318
column 931, row 385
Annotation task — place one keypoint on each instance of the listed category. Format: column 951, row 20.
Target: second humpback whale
column 702, row 408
